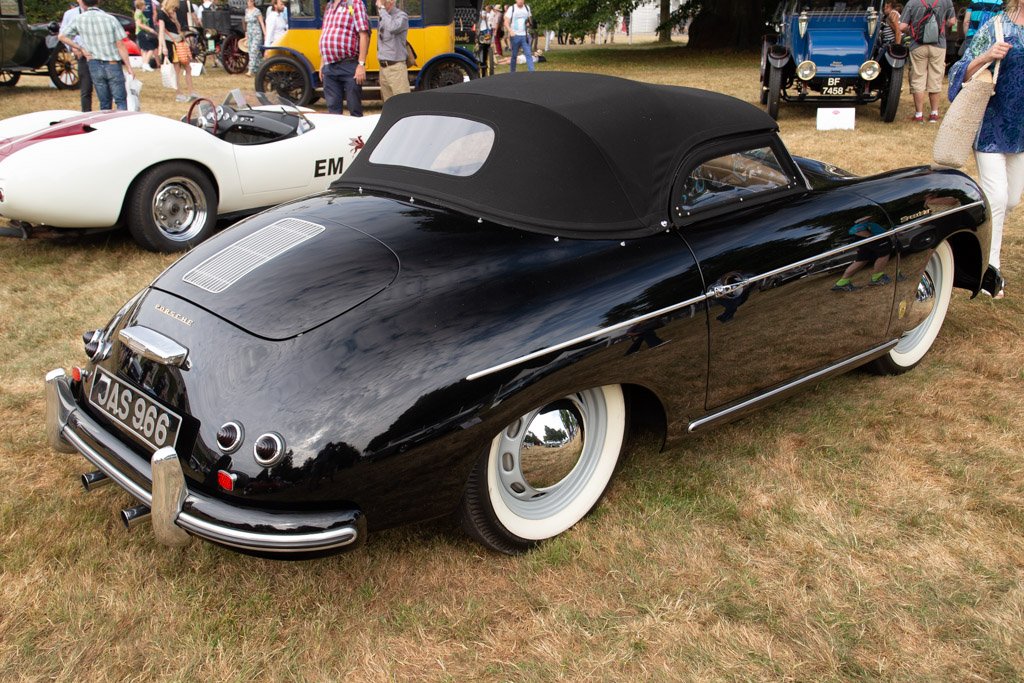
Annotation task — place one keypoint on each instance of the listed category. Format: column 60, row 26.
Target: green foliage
column 579, row 17
column 41, row 11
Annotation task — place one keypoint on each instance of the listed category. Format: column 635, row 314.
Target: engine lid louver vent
column 231, row 264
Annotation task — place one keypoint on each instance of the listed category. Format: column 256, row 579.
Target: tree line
column 737, row 24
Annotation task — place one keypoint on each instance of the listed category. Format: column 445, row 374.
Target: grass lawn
column 870, row 528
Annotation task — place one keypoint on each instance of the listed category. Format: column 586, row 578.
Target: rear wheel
column 891, row 95
column 284, row 76
column 197, row 46
column 546, row 471
column 764, row 71
column 235, row 61
column 63, row 68
column 774, row 91
column 933, row 294
column 172, row 207
column 448, row 72
column 8, row 79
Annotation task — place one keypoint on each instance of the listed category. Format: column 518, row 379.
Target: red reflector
column 76, row 373
column 226, row 480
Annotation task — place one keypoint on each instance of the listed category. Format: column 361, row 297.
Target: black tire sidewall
column 140, row 201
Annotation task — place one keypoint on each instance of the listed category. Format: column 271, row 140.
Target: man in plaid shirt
column 344, row 41
column 103, row 45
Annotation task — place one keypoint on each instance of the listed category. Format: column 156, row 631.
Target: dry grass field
column 872, row 528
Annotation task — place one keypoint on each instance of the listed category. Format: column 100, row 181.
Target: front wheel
column 234, row 60
column 197, row 46
column 546, row 471
column 448, row 72
column 287, row 78
column 774, row 91
column 9, row 79
column 171, row 207
column 891, row 95
column 63, row 68
column 933, row 294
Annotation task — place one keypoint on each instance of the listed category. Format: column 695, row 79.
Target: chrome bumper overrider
column 176, row 511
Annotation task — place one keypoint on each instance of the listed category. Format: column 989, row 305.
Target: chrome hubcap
column 546, row 457
column 179, row 209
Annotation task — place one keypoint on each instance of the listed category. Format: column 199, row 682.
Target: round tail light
column 268, row 449
column 229, row 437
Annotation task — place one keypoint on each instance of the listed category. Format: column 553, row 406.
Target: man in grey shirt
column 927, row 59
column 392, row 34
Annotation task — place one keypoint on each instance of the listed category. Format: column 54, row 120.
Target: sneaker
column 147, row 67
column 848, row 287
column 917, row 118
column 884, row 280
column 180, row 97
column 933, row 118
column 193, row 96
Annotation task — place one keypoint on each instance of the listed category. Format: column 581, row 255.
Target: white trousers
column 1002, row 180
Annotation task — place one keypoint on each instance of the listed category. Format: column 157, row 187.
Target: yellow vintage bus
column 292, row 64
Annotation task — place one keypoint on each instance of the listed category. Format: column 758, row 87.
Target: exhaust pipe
column 94, row 480
column 132, row 517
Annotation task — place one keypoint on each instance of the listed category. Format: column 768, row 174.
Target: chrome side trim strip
column 711, row 294
column 588, row 337
column 733, row 411
column 853, row 245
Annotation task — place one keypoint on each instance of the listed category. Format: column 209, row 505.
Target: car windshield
column 249, row 99
column 442, row 144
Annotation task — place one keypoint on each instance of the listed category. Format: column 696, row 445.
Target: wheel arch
column 303, row 61
column 133, row 185
column 780, row 57
column 645, row 415
column 458, row 56
column 968, row 260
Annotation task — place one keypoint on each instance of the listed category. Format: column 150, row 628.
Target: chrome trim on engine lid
column 153, row 345
column 231, row 264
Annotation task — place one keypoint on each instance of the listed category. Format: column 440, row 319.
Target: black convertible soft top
column 581, row 155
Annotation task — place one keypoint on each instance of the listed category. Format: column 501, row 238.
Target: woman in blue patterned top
column 999, row 147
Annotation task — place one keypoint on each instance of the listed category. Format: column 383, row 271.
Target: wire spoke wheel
column 235, row 61
column 448, row 72
column 63, row 68
column 286, row 78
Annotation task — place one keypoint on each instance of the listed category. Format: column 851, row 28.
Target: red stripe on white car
column 74, row 125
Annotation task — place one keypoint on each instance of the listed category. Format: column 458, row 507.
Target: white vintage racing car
column 167, row 181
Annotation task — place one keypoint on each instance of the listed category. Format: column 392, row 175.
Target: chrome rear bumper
column 177, row 512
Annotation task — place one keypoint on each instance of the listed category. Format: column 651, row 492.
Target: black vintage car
column 513, row 272
column 32, row 49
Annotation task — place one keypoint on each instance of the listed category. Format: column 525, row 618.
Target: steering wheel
column 207, row 118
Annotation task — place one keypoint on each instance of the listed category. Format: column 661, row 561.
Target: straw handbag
column 960, row 126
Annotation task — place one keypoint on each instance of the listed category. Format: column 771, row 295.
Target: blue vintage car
column 829, row 52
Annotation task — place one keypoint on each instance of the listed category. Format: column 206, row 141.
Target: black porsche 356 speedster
column 513, row 272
